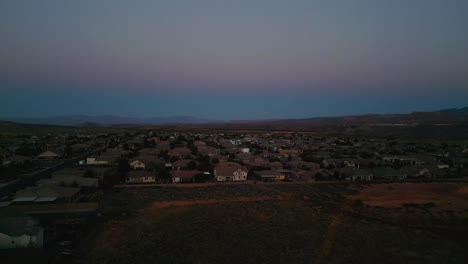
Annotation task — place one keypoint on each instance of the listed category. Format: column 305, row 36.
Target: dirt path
column 330, row 234
column 195, row 185
column 165, row 204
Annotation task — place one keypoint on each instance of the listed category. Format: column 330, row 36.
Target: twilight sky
column 243, row 59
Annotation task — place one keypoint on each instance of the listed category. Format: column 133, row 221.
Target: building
column 140, row 177
column 230, row 173
column 137, row 164
column 184, row 176
column 354, row 174
column 48, row 155
column 270, row 175
column 388, row 173
column 47, row 194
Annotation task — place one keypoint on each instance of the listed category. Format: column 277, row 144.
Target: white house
column 245, row 150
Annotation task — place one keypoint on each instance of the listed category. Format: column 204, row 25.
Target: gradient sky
column 243, row 59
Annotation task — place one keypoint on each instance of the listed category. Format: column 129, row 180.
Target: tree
column 164, row 154
column 164, row 174
column 68, row 151
column 149, row 143
column 89, row 174
column 365, row 154
column 232, row 157
column 191, row 165
column 193, row 149
column 201, row 177
column 273, row 159
column 122, row 165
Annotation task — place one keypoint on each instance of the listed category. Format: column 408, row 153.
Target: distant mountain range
column 463, row 110
column 107, row 120
column 446, row 116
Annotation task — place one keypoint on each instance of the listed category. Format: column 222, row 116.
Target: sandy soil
column 165, row 204
column 112, row 235
column 446, row 196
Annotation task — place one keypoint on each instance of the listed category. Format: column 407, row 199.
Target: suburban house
column 303, row 165
column 289, row 152
column 388, row 173
column 182, row 164
column 149, row 151
column 270, row 175
column 199, row 143
column 164, row 145
column 140, row 177
column 79, row 148
column 276, row 165
column 102, row 172
column 179, row 152
column 71, row 177
column 441, row 165
column 71, row 181
column 48, row 155
column 353, row 174
column 245, row 150
column 230, row 173
column 20, row 232
column 47, row 194
column 208, row 151
column 96, row 161
column 184, row 176
column 137, row 164
column 422, row 171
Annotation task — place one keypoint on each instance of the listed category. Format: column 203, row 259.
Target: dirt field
column 445, row 196
column 164, row 204
column 284, row 223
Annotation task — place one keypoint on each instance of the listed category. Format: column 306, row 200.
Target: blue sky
column 232, row 59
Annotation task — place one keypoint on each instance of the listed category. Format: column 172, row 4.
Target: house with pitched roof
column 180, row 176
column 48, row 155
column 140, row 177
column 230, row 173
column 270, row 175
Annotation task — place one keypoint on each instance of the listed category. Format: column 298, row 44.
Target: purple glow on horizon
column 270, row 47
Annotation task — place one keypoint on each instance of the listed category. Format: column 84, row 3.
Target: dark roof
column 384, row 172
column 139, row 174
column 351, row 171
column 181, row 163
column 185, row 174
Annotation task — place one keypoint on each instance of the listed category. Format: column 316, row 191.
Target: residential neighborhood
column 62, row 181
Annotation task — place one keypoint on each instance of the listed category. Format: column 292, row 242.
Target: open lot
column 446, row 196
column 316, row 223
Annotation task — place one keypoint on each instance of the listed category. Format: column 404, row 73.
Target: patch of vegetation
column 312, row 223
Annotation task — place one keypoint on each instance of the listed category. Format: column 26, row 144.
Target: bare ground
column 445, row 196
